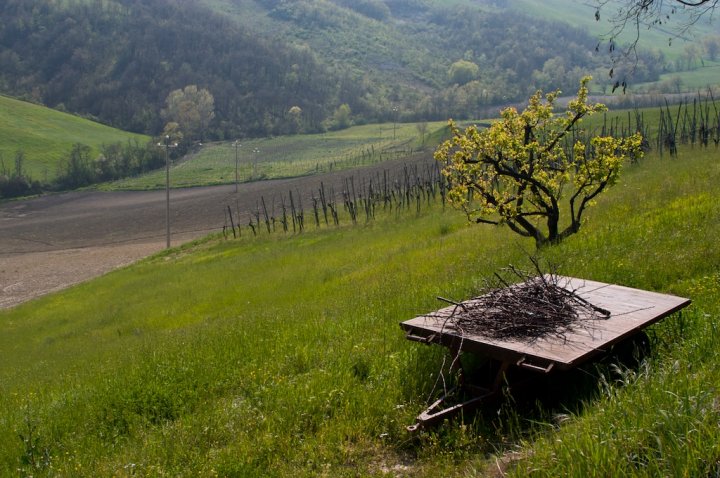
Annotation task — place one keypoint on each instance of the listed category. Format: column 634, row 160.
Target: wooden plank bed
column 631, row 310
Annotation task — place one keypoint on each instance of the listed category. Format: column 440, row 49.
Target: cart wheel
column 631, row 352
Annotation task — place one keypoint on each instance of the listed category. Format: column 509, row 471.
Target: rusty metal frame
column 443, row 408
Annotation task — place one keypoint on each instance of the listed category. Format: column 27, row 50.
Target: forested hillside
column 117, row 62
column 425, row 59
column 279, row 66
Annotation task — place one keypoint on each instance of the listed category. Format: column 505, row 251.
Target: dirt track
column 52, row 242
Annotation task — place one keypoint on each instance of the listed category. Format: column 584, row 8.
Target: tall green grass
column 282, row 355
column 46, row 136
column 664, row 420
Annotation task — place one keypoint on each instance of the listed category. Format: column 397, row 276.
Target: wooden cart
column 631, row 310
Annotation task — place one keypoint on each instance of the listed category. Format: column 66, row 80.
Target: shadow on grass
column 535, row 403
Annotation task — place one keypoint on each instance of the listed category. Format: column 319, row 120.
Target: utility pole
column 395, row 111
column 167, row 145
column 237, row 145
column 255, row 153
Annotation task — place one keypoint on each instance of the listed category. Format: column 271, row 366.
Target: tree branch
column 563, row 132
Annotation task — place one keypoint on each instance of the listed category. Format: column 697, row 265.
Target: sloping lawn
column 282, row 355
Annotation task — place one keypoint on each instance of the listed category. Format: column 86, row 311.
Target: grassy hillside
column 45, row 135
column 282, row 356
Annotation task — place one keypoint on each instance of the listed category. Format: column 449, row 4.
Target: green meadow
column 281, row 355
column 46, row 136
column 698, row 79
column 286, row 156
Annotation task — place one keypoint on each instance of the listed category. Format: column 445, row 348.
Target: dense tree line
column 15, row 182
column 79, row 167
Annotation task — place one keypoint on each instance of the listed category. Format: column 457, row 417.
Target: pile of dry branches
column 538, row 307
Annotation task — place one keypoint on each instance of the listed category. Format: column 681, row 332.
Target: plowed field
column 54, row 241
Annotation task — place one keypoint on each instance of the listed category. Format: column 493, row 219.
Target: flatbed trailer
column 630, row 311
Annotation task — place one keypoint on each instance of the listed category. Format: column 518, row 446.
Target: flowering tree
column 520, row 171
column 192, row 108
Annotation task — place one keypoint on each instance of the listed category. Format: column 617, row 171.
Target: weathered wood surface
column 631, row 311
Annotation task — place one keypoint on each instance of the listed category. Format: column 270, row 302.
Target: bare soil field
column 54, row 241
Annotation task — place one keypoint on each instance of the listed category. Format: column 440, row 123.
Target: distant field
column 582, row 15
column 302, row 155
column 693, row 80
column 45, row 135
column 286, row 156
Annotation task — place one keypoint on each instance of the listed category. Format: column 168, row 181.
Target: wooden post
column 265, row 212
column 232, row 224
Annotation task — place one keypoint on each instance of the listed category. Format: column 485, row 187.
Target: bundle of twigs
column 539, row 306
